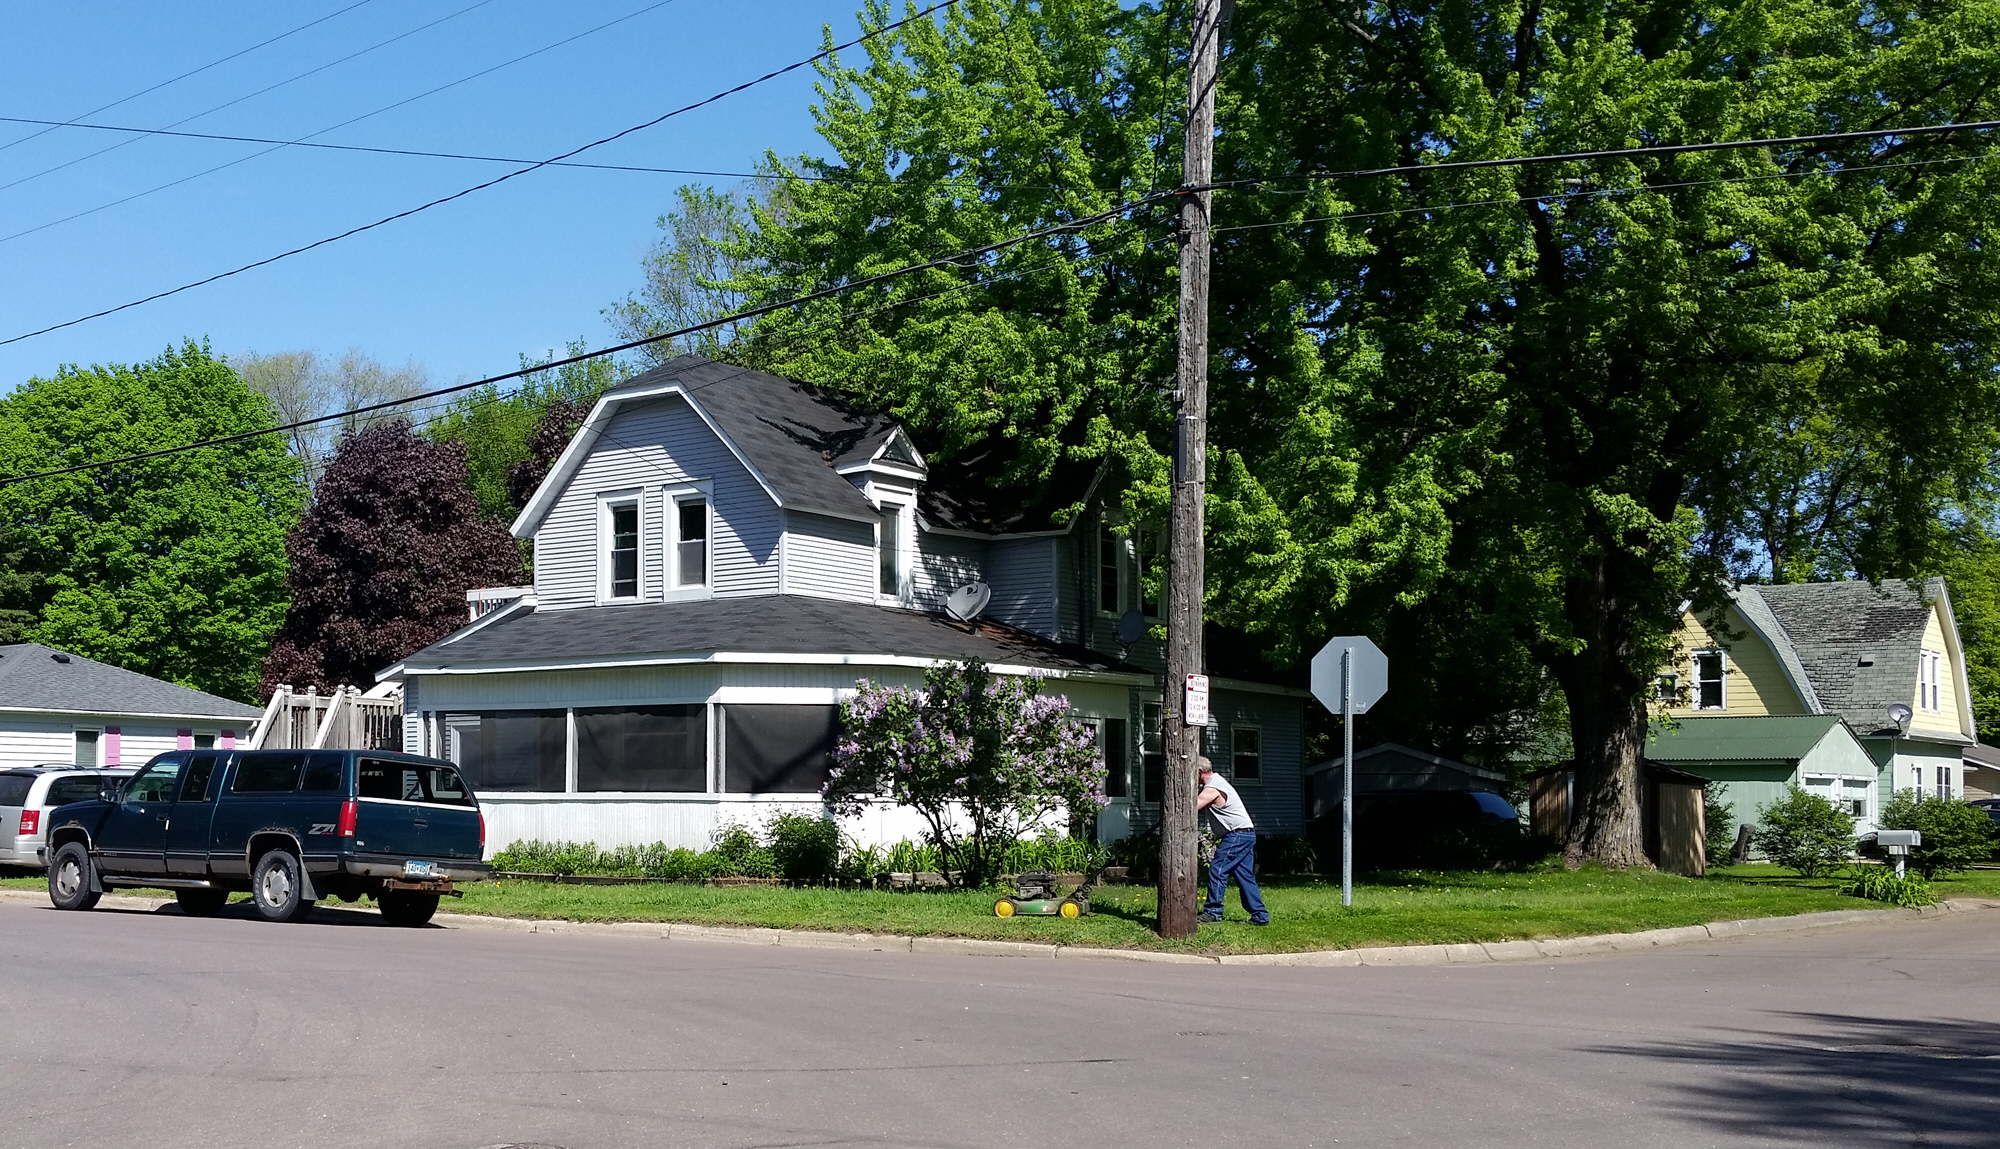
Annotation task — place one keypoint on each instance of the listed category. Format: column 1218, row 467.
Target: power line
column 962, row 259
column 255, row 94
column 481, row 186
column 302, row 140
column 184, row 75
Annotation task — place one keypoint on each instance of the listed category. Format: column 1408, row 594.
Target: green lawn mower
column 1035, row 896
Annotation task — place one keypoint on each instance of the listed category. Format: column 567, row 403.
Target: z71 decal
column 321, row 828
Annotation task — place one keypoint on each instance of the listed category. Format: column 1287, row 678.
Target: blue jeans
column 1235, row 855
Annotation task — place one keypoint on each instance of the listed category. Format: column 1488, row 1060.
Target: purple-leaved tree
column 981, row 757
column 382, row 559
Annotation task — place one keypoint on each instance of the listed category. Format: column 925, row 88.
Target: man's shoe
column 1255, row 922
column 1209, row 919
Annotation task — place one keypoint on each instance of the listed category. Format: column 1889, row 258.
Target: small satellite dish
column 1131, row 627
column 1899, row 714
column 965, row 603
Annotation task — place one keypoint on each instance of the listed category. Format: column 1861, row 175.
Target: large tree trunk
column 1607, row 719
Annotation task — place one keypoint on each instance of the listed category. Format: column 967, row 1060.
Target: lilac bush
column 979, row 756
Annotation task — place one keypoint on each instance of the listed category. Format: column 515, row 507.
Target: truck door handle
column 421, row 822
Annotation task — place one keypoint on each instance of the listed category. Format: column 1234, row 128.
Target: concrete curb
column 1454, row 954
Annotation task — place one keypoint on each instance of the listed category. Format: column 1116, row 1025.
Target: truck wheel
column 407, row 907
column 201, row 903
column 69, row 878
column 278, row 886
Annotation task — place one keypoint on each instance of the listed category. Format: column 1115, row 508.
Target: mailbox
column 1898, row 841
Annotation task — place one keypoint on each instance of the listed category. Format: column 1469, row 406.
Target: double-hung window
column 1667, row 689
column 889, row 551
column 1246, row 753
column 1114, row 742
column 618, row 547
column 1709, row 666
column 690, row 542
column 1930, row 666
column 1944, row 783
column 1109, row 568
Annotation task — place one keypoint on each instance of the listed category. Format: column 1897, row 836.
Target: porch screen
column 642, row 748
column 778, row 749
column 503, row 750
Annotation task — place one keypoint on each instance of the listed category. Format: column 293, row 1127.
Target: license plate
column 420, row 869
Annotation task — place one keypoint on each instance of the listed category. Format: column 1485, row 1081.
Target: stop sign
column 1371, row 673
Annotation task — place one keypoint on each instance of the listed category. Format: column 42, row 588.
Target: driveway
column 138, row 1027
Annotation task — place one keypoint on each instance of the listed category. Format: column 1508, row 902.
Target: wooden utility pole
column 1178, row 835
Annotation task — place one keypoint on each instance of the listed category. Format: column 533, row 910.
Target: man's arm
column 1210, row 796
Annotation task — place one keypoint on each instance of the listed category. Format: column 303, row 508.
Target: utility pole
column 1178, row 864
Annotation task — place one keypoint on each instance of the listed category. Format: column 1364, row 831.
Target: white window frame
column 1667, row 688
column 906, row 524
column 672, row 498
column 97, row 730
column 1945, row 787
column 1234, row 728
column 1722, row 679
column 1867, row 794
column 1930, row 664
column 605, row 536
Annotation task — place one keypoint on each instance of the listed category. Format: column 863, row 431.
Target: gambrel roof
column 42, row 678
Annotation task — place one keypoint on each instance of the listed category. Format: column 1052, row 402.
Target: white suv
column 28, row 793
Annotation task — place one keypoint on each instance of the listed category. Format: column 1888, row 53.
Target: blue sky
column 462, row 289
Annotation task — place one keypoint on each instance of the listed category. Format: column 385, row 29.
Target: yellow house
column 1885, row 660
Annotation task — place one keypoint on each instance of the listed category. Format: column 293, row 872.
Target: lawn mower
column 1035, row 895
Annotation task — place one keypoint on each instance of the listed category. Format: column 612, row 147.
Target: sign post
column 1349, row 674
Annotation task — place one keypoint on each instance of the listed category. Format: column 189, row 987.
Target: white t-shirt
column 1230, row 814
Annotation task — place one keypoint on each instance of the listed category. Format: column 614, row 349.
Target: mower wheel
column 1071, row 909
column 1004, row 908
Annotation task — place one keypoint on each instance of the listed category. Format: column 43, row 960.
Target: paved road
column 149, row 1029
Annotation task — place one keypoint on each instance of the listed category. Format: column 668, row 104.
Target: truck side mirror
column 110, row 791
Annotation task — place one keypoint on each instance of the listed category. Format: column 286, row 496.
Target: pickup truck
column 288, row 826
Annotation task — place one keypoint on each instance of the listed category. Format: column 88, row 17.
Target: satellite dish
column 1131, row 627
column 1899, row 714
column 965, row 603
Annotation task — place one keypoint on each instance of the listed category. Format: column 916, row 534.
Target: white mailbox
column 1898, row 841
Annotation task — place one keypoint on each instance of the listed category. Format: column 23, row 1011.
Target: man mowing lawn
column 1237, row 852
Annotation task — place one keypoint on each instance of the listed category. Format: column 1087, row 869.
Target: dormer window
column 889, row 537
column 1109, row 570
column 691, row 542
column 618, row 542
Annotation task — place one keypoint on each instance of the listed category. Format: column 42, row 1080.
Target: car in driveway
column 28, row 793
column 1989, row 806
column 287, row 826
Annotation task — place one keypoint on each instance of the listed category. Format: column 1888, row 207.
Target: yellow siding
column 1753, row 682
column 1951, row 719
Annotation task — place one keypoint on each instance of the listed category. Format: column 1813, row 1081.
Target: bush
column 1718, row 820
column 1880, row 884
column 739, row 850
column 1805, row 832
column 1955, row 835
column 804, row 847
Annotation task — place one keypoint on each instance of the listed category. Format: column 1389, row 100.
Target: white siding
column 944, row 563
column 29, row 740
column 648, row 446
column 830, row 558
column 1022, row 575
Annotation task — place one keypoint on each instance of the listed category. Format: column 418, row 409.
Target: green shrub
column 1285, row 854
column 1805, row 832
column 741, row 853
column 907, row 857
column 1718, row 819
column 1955, row 835
column 805, row 848
column 1880, row 884
column 538, row 857
column 1049, row 852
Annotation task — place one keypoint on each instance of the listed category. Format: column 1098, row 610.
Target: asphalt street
column 138, row 1028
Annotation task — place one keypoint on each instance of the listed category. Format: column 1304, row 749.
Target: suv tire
column 69, row 878
column 277, row 887
column 201, row 903
column 407, row 907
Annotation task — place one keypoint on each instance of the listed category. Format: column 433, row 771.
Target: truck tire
column 278, row 886
column 407, row 907
column 201, row 903
column 69, row 878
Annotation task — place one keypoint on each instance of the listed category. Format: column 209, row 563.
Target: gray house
column 720, row 554
column 57, row 707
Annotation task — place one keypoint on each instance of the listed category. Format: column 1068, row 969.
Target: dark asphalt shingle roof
column 793, row 433
column 32, row 679
column 770, row 624
column 1834, row 627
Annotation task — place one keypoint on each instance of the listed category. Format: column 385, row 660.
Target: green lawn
column 1388, row 909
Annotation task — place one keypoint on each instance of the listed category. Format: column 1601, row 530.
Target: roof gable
column 32, row 677
column 1857, row 642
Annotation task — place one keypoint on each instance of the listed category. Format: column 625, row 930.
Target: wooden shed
column 1670, row 810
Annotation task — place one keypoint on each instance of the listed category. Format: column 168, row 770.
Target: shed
column 1670, row 812
column 1391, row 766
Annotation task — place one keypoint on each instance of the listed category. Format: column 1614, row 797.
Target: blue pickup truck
column 288, row 826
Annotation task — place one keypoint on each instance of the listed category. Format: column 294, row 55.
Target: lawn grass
column 1389, row 909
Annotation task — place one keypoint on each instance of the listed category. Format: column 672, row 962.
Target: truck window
column 410, row 782
column 268, row 772
column 155, row 783
column 73, row 788
column 200, row 772
column 14, row 789
column 323, row 771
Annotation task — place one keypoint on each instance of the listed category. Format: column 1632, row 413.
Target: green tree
column 1956, row 835
column 1972, row 576
column 691, row 272
column 173, row 567
column 1805, row 832
column 1565, row 382
column 495, row 425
